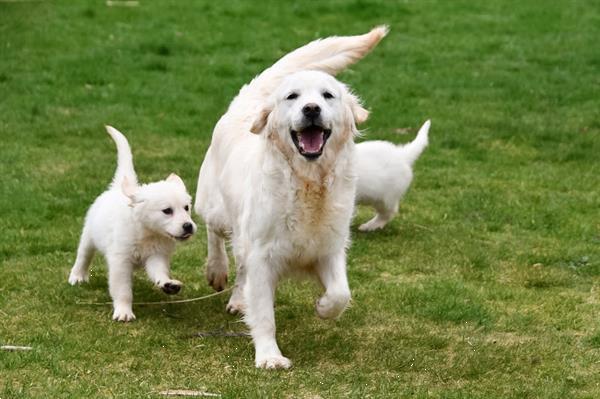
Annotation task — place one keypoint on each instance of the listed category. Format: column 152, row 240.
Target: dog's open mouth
column 311, row 140
column 182, row 237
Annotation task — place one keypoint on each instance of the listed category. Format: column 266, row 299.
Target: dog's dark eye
column 168, row 211
column 292, row 96
column 187, row 208
column 327, row 95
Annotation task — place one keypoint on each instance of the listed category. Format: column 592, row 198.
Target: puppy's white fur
column 384, row 175
column 285, row 214
column 134, row 225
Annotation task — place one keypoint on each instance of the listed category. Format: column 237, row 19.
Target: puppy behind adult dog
column 134, row 225
column 384, row 175
column 279, row 179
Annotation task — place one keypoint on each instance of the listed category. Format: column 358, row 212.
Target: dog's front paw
column 171, row 287
column 273, row 362
column 331, row 306
column 123, row 314
column 235, row 306
column 78, row 278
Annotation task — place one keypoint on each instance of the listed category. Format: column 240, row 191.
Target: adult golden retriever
column 279, row 180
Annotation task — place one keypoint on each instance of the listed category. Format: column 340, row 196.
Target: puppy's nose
column 188, row 227
column 311, row 110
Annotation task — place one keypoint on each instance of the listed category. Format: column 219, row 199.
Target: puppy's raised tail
column 412, row 151
column 124, row 159
column 330, row 55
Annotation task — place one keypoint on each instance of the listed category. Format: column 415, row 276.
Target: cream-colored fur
column 384, row 172
column 134, row 225
column 285, row 205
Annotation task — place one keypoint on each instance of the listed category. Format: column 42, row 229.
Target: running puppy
column 279, row 179
column 134, row 225
column 384, row 175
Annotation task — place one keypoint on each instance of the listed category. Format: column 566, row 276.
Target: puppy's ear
column 261, row 120
column 130, row 190
column 173, row 178
column 359, row 113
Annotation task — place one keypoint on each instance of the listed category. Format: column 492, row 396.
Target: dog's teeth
column 299, row 138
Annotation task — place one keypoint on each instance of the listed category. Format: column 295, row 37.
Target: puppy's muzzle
column 188, row 230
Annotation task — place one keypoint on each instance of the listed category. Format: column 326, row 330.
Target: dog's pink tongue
column 311, row 139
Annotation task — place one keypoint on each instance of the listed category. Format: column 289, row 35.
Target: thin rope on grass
column 161, row 302
column 15, row 348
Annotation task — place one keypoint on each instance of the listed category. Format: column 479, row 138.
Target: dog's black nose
column 311, row 110
column 188, row 227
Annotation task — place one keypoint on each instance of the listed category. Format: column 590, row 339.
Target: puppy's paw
column 171, row 287
column 123, row 314
column 235, row 306
column 78, row 277
column 370, row 226
column 332, row 306
column 273, row 362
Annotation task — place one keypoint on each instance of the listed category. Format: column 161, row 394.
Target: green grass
column 487, row 285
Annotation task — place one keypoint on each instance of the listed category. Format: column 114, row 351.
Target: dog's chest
column 316, row 219
column 147, row 247
column 311, row 205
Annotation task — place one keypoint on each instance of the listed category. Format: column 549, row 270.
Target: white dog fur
column 384, row 175
column 134, row 225
column 286, row 202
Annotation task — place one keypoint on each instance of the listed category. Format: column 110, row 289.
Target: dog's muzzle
column 188, row 231
column 310, row 140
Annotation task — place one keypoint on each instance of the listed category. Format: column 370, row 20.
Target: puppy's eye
column 327, row 95
column 292, row 96
column 187, row 208
column 167, row 211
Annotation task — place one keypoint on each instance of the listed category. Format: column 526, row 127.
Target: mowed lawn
column 487, row 284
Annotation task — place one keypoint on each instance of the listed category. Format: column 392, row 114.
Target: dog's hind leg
column 120, row 281
column 157, row 268
column 384, row 215
column 236, row 303
column 217, row 263
column 80, row 272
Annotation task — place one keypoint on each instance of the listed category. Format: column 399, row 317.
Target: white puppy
column 279, row 179
column 134, row 225
column 384, row 175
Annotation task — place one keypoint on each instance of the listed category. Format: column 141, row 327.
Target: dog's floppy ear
column 359, row 113
column 261, row 120
column 130, row 190
column 175, row 179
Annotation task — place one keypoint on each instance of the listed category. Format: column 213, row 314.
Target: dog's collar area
column 310, row 141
